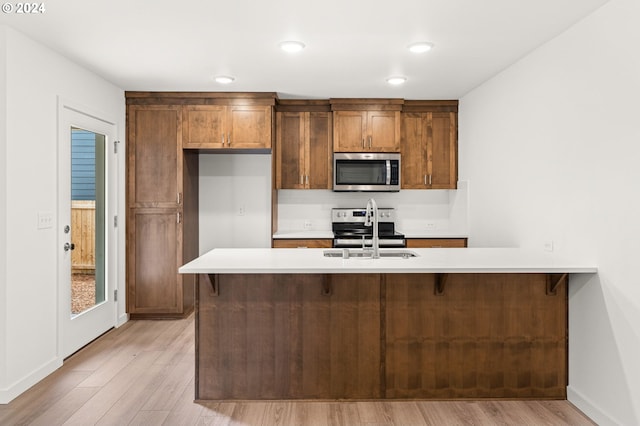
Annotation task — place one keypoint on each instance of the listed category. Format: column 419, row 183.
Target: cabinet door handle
column 301, row 179
column 425, row 179
column 429, row 180
column 307, row 179
column 223, row 139
column 178, row 217
column 179, row 198
column 228, row 139
column 363, row 145
column 370, row 142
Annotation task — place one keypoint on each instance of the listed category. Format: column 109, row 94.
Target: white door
column 87, row 194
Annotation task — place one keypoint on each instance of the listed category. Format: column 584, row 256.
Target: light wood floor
column 142, row 374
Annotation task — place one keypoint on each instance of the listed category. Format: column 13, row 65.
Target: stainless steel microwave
column 366, row 171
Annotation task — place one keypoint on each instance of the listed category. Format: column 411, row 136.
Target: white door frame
column 70, row 337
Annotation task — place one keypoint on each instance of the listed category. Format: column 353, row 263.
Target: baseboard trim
column 11, row 392
column 589, row 408
column 122, row 319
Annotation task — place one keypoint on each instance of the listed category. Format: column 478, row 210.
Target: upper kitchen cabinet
column 303, row 145
column 154, row 155
column 429, row 145
column 232, row 127
column 220, row 120
column 366, row 125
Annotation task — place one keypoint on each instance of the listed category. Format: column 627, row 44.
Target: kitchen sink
column 346, row 253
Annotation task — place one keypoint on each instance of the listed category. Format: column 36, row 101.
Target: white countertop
column 430, row 260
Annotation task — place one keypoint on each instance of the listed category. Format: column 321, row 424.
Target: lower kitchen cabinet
column 284, row 336
column 436, row 242
column 154, row 286
column 302, row 243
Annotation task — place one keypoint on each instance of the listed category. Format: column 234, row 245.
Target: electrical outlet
column 242, row 211
column 307, row 224
column 45, row 220
column 548, row 245
column 431, row 226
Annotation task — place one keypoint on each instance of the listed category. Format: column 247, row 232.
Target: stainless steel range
column 350, row 231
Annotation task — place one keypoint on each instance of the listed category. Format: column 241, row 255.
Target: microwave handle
column 388, row 180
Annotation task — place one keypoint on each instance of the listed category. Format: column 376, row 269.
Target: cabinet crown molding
column 201, row 98
column 366, row 104
column 430, row 106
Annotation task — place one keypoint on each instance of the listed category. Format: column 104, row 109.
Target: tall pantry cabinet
column 162, row 212
column 166, row 133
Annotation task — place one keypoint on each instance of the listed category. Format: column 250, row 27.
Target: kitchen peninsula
column 446, row 323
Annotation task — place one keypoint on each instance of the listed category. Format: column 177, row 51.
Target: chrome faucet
column 372, row 210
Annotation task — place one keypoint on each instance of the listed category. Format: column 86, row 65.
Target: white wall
column 3, row 204
column 235, row 201
column 35, row 78
column 440, row 212
column 551, row 149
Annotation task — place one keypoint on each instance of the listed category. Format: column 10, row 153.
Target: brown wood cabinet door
column 349, row 131
column 154, row 252
column 290, row 167
column 443, row 151
column 205, row 127
column 154, row 159
column 414, row 151
column 304, row 150
column 283, row 336
column 319, row 158
column 429, row 150
column 383, row 131
column 249, row 127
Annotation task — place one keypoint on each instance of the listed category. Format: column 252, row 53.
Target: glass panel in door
column 87, row 220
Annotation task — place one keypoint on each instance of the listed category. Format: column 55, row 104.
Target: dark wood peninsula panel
column 381, row 336
column 288, row 336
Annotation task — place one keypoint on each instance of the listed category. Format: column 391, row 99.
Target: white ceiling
column 352, row 45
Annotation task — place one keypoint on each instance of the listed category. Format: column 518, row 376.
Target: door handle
column 69, row 246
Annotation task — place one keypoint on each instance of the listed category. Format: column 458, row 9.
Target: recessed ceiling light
column 224, row 79
column 396, row 80
column 291, row 46
column 420, row 47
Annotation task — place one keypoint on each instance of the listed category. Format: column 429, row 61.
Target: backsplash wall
column 417, row 211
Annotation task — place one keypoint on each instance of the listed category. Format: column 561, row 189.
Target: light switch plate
column 45, row 220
